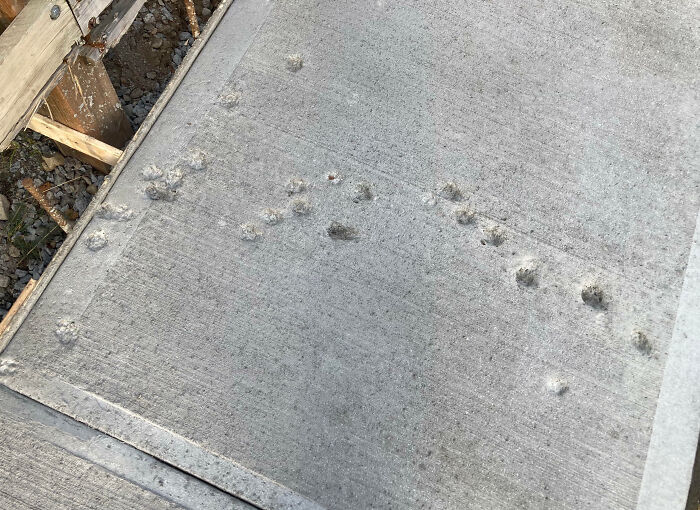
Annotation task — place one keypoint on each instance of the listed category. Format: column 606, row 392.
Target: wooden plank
column 31, row 50
column 87, row 12
column 17, row 305
column 75, row 139
column 108, row 33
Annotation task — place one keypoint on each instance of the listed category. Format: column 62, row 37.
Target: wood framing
column 87, row 12
column 107, row 34
column 75, row 139
column 84, row 99
column 33, row 47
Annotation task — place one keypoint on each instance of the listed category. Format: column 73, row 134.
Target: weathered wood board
column 32, row 48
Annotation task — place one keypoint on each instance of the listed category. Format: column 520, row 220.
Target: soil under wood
column 140, row 67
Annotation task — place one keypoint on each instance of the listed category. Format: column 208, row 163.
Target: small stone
column 334, row 178
column 250, row 232
column 183, row 36
column 294, row 62
column 156, row 43
column 4, row 208
column 177, row 59
column 149, row 18
column 136, row 93
column 641, row 342
column 92, row 189
column 13, row 251
column 206, row 12
column 96, row 241
column 52, row 161
column 71, row 214
column 151, row 75
column 4, row 281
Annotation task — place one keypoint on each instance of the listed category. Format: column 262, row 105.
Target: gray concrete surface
column 52, row 462
column 401, row 359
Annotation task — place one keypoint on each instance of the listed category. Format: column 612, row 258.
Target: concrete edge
column 114, row 456
column 674, row 439
column 160, row 443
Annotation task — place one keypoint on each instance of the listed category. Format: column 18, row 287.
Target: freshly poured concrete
column 404, row 367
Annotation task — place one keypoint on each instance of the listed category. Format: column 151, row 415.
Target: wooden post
column 9, row 9
column 85, row 100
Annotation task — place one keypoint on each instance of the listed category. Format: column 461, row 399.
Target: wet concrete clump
column 173, row 178
column 363, row 192
column 8, row 367
column 341, row 232
column 296, row 185
column 526, row 276
column 557, row 386
column 230, row 99
column 152, row 173
column 301, row 206
column 494, row 236
column 641, row 342
column 250, row 232
column 67, row 331
column 115, row 212
column 593, row 296
column 294, row 62
column 272, row 216
column 96, row 241
column 159, row 191
column 196, row 160
column 450, row 191
column 464, row 215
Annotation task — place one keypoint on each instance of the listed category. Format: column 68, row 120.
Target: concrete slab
column 416, row 255
column 52, row 461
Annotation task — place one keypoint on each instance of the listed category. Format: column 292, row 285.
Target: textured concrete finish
column 406, row 255
column 50, row 461
column 674, row 440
